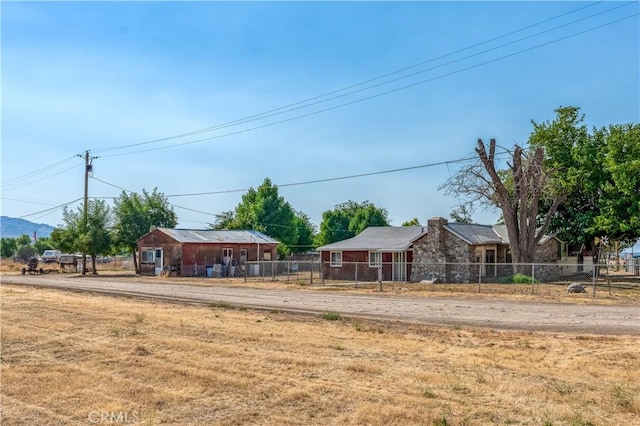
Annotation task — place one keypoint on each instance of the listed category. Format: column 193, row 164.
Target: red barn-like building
column 195, row 252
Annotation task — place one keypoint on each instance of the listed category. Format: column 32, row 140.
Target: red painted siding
column 183, row 257
column 355, row 265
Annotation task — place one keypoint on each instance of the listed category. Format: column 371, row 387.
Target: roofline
column 164, row 229
column 379, row 250
column 498, row 241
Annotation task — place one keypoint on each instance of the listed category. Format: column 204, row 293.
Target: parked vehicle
column 32, row 267
column 50, row 256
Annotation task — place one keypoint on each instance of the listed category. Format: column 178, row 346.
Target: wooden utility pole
column 87, row 167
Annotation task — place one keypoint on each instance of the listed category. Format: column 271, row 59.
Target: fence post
column 595, row 268
column 288, row 263
column 479, row 276
column 356, row 274
column 533, row 279
column 322, row 272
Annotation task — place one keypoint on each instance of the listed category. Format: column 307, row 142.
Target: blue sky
column 80, row 76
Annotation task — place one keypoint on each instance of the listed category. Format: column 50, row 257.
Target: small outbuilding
column 198, row 252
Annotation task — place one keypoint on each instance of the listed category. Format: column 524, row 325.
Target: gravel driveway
column 493, row 313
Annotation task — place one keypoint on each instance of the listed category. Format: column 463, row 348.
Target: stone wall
column 447, row 258
column 547, row 254
column 438, row 255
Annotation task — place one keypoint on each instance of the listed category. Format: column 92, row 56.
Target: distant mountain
column 11, row 227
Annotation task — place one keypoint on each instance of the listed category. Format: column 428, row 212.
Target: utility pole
column 87, row 167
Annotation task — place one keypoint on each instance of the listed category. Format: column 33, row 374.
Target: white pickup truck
column 50, row 256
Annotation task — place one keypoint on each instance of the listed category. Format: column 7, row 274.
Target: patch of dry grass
column 68, row 356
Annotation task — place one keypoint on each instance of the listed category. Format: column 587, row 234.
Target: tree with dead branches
column 518, row 191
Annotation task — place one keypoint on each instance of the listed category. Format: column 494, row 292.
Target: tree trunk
column 519, row 204
column 135, row 261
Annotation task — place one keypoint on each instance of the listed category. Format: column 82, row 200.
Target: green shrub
column 517, row 279
column 331, row 316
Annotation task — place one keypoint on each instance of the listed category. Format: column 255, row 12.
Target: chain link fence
column 438, row 275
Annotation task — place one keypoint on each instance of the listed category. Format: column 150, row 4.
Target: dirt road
column 494, row 313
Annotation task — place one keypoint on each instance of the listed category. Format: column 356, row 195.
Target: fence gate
column 399, row 266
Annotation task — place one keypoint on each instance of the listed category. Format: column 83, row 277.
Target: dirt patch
column 555, row 313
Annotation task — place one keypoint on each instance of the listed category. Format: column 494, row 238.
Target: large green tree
column 600, row 170
column 305, row 233
column 8, row 247
column 412, row 222
column 24, row 250
column 570, row 181
column 618, row 214
column 92, row 236
column 24, row 253
column 223, row 220
column 462, row 213
column 528, row 191
column 348, row 219
column 574, row 157
column 263, row 209
column 42, row 244
column 136, row 214
column 23, row 240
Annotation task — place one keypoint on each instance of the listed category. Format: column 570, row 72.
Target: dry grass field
column 74, row 358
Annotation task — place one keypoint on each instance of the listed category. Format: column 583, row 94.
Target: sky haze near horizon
column 112, row 77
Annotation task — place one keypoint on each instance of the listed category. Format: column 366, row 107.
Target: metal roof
column 223, row 236
column 397, row 238
column 486, row 234
column 380, row 238
column 473, row 233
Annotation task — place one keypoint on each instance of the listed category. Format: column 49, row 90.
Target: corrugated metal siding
column 183, row 257
column 217, row 236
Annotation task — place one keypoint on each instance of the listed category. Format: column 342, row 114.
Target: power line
column 134, row 192
column 270, row 113
column 301, row 104
column 111, row 184
column 28, row 200
column 309, row 182
column 287, row 107
column 20, row 180
column 366, row 98
column 467, row 158
column 51, row 209
column 193, row 210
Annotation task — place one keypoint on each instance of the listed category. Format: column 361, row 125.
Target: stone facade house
column 446, row 252
column 465, row 253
